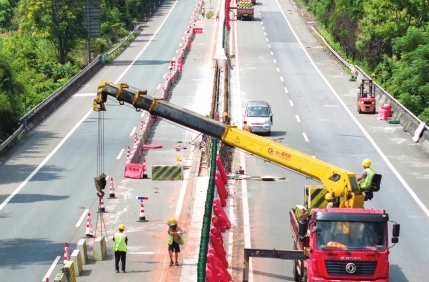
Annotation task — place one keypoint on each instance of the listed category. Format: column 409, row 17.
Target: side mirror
column 302, row 230
column 395, row 230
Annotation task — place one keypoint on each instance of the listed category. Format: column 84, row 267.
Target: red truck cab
column 343, row 244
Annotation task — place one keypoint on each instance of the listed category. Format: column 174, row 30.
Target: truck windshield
column 351, row 235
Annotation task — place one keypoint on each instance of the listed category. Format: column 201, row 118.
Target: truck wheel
column 296, row 276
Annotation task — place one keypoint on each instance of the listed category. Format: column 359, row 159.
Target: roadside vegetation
column 43, row 44
column 388, row 38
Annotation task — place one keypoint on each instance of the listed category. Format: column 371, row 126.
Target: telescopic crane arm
column 339, row 182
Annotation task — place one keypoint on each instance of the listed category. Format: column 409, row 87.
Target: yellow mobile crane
column 319, row 254
column 342, row 184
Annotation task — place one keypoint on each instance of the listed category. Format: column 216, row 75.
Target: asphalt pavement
column 144, row 263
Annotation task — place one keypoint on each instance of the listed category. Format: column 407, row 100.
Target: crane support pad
column 167, row 172
column 280, row 254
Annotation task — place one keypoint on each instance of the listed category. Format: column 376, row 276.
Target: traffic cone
column 101, row 205
column 89, row 226
column 144, row 169
column 112, row 190
column 135, row 138
column 66, row 253
column 142, row 216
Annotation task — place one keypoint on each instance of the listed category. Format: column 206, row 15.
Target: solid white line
column 120, row 154
column 182, row 192
column 291, row 103
column 51, row 268
column 382, row 155
column 132, row 131
column 246, row 221
column 159, row 85
column 85, row 94
column 150, row 40
column 16, row 191
column 297, row 118
column 85, row 212
column 305, row 136
column 286, row 91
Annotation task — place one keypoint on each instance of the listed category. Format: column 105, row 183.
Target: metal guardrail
column 408, row 120
column 43, row 107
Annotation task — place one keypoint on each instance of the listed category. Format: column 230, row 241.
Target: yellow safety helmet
column 366, row 162
column 225, row 114
column 172, row 221
column 121, row 226
column 328, row 197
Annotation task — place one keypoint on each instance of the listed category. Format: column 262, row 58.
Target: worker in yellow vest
column 174, row 240
column 366, row 177
column 120, row 247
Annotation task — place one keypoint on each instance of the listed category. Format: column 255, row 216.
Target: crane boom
column 339, row 182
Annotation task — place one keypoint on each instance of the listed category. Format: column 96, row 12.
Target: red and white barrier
column 142, row 214
column 101, row 207
column 111, row 189
column 66, row 253
column 89, row 226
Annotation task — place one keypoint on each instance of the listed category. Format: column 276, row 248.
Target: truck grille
column 362, row 268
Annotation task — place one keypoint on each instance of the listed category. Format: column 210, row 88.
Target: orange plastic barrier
column 222, row 170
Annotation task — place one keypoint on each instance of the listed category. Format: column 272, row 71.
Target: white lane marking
column 274, row 60
column 305, row 136
column 272, row 54
column 246, row 221
column 177, row 51
column 265, row 33
column 297, row 118
column 281, row 78
column 85, row 212
column 16, row 191
column 291, row 103
column 150, row 40
column 143, row 113
column 51, row 268
column 382, row 155
column 140, row 253
column 278, row 70
column 269, row 46
column 164, row 75
column 84, row 94
column 132, row 131
column 174, row 58
column 182, row 192
column 120, row 154
column 266, row 39
column 159, row 85
column 287, row 92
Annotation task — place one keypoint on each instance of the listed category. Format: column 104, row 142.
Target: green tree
column 58, row 21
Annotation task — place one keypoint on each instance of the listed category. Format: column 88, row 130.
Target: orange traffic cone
column 89, row 226
column 101, row 205
column 112, row 190
column 142, row 216
column 66, row 252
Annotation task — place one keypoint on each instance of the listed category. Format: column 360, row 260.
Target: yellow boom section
column 339, row 182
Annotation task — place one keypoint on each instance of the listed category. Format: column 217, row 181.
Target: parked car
column 259, row 117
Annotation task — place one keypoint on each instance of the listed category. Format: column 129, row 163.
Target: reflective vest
column 170, row 239
column 366, row 182
column 330, row 205
column 119, row 244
